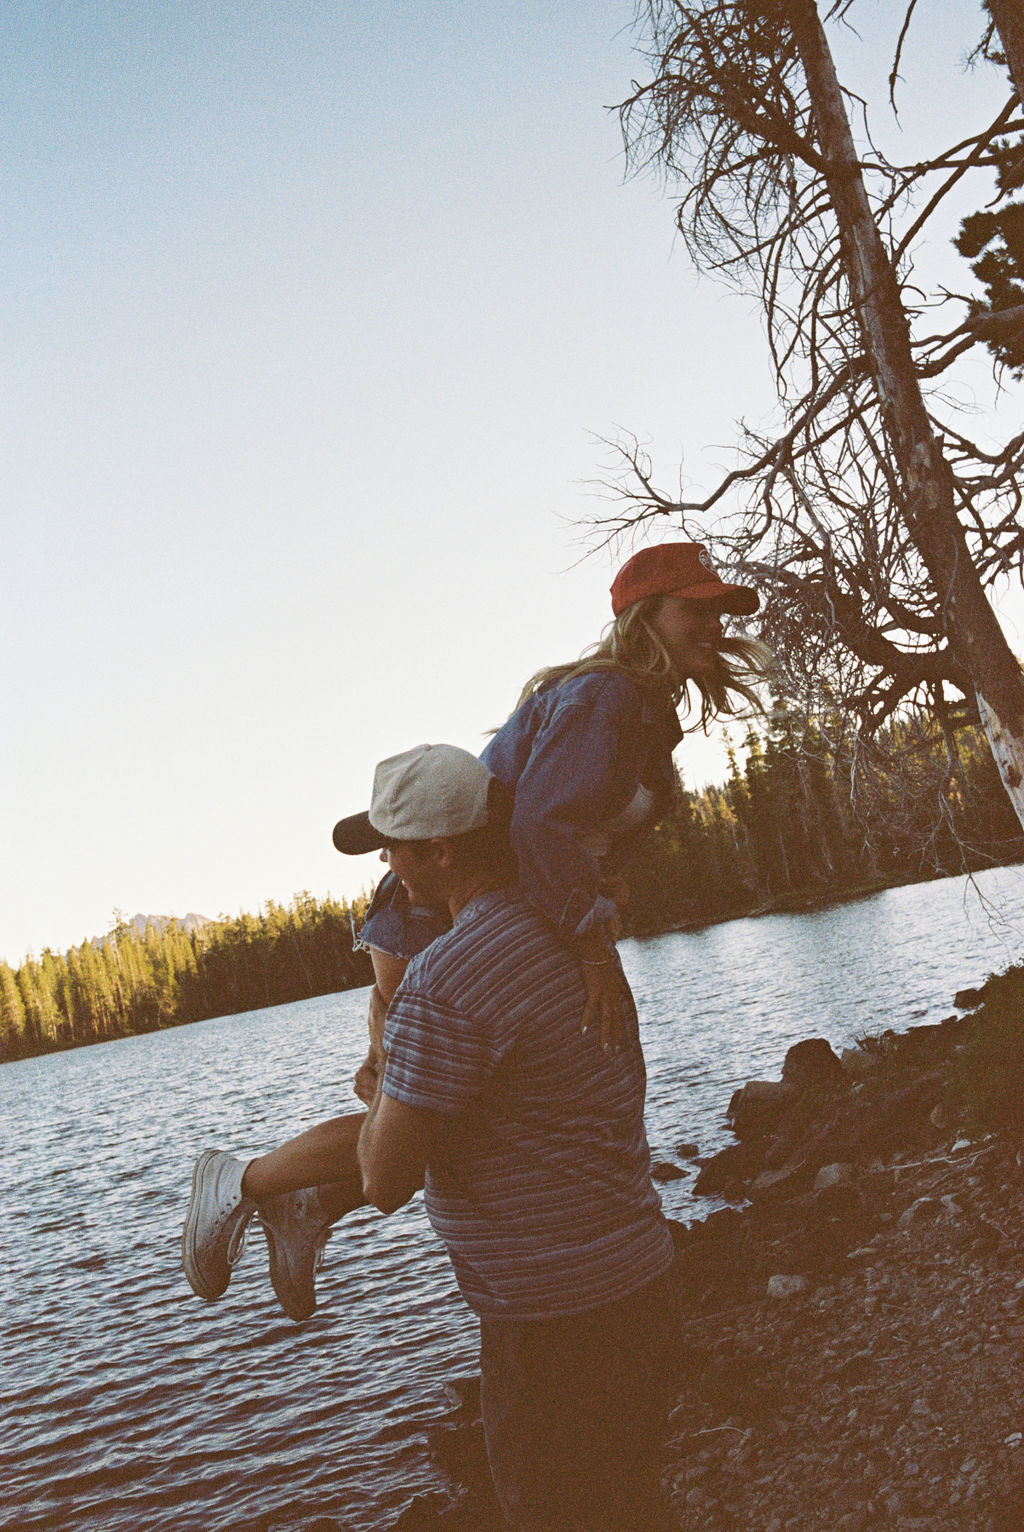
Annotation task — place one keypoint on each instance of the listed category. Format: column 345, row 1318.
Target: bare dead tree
column 1008, row 20
column 876, row 522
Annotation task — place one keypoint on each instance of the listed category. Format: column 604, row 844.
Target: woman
column 587, row 754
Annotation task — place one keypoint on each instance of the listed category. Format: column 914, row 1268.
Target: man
column 529, row 1139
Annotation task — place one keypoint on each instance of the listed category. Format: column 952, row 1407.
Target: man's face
column 418, row 865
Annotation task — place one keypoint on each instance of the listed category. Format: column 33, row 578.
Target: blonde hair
column 631, row 646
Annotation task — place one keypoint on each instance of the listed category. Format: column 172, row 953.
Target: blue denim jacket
column 574, row 756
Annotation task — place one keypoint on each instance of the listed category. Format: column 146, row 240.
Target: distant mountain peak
column 189, row 922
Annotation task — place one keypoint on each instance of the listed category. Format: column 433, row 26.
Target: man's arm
column 394, row 1145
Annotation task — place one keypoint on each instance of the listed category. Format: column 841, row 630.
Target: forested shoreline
column 809, row 816
column 132, row 981
column 815, row 813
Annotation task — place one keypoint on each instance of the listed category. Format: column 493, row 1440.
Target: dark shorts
column 395, row 925
column 575, row 1411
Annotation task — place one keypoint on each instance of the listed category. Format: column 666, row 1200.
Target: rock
column 921, row 1041
column 771, row 1185
column 861, row 1129
column 812, row 1065
column 721, row 1223
column 781, row 1286
column 688, row 1151
column 858, row 1063
column 923, row 1207
column 464, row 1393
column 967, row 999
column 725, row 1173
column 758, row 1106
column 840, row 1200
column 664, row 1170
column 681, row 1233
column 832, row 1175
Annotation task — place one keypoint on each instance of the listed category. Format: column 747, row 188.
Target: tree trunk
column 928, row 509
column 1009, row 19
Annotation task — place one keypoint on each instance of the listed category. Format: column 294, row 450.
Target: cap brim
column 737, row 600
column 355, row 835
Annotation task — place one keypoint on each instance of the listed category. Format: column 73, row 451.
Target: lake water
column 130, row 1405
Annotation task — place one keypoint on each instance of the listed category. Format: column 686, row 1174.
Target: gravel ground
column 852, row 1338
column 887, row 1393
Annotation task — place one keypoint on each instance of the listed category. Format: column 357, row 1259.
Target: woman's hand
column 609, row 1004
column 370, row 1070
column 367, row 1076
column 375, row 1022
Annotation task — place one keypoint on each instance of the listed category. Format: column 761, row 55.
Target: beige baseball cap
column 428, row 791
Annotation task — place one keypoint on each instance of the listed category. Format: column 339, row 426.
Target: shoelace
column 240, row 1233
column 236, row 1244
column 321, row 1245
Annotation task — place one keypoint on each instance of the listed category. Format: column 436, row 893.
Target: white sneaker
column 297, row 1229
column 215, row 1224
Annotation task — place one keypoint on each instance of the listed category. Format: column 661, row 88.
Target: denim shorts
column 395, row 925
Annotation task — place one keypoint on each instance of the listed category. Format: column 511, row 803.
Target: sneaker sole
column 188, row 1234
column 285, row 1290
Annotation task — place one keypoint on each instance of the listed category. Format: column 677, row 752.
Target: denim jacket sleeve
column 583, row 767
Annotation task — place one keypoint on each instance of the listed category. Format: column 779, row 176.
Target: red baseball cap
column 679, row 569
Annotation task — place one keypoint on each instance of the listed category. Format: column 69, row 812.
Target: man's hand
column 395, row 1143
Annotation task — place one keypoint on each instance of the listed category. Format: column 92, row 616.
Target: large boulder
column 725, row 1174
column 812, row 1065
column 757, row 1107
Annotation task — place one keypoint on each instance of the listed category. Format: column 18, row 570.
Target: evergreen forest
column 812, row 813
column 816, row 812
column 135, row 981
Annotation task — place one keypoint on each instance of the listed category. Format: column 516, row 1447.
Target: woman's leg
column 325, row 1155
column 388, row 972
column 300, row 1189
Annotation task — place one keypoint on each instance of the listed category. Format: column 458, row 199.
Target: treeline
column 813, row 812
column 810, row 813
column 134, row 981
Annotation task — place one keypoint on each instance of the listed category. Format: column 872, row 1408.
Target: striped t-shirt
column 541, row 1186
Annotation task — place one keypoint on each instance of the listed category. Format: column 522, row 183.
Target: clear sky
column 312, row 312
